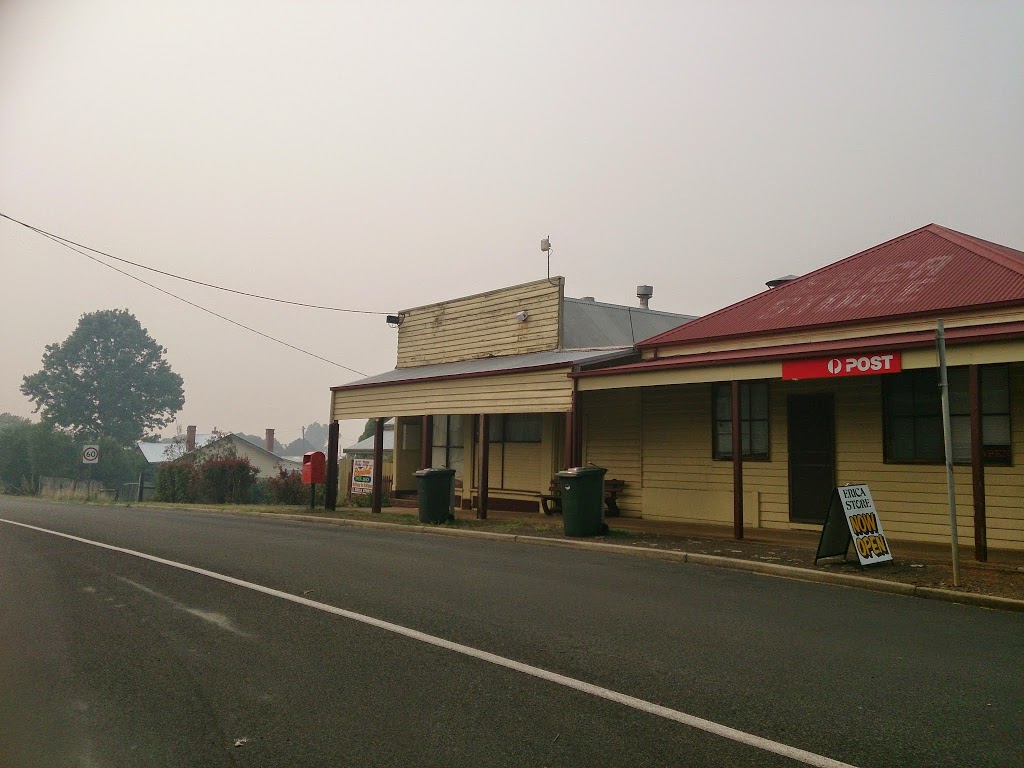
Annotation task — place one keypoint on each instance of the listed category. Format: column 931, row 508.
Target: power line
column 67, row 242
column 59, row 241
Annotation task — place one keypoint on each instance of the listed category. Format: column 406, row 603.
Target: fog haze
column 388, row 155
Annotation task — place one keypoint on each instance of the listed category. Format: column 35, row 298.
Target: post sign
column 852, row 518
column 362, row 476
column 839, row 367
column 90, row 454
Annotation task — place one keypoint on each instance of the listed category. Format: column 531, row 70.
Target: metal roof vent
column 781, row 280
column 644, row 293
column 587, row 298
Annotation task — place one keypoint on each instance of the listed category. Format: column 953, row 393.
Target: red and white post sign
column 839, row 367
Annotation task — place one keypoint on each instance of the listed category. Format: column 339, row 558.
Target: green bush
column 287, row 488
column 218, row 479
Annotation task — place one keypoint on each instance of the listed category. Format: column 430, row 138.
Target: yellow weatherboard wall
column 527, row 392
column 483, row 325
column 659, row 439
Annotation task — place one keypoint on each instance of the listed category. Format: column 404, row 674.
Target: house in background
column 200, row 445
column 482, row 386
column 831, row 378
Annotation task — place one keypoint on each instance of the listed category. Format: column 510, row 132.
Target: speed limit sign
column 91, row 454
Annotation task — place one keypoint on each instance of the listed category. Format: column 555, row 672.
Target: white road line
column 742, row 737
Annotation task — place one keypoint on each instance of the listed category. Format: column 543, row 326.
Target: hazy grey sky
column 389, row 154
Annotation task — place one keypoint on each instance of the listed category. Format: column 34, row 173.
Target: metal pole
column 947, row 434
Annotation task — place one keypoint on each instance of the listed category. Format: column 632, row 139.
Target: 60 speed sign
column 90, row 454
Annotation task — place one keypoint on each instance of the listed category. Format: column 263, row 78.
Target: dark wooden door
column 812, row 456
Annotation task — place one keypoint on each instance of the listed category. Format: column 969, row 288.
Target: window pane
column 759, row 438
column 901, row 438
column 961, row 437
column 439, row 457
column 723, row 402
column 440, row 433
column 899, row 390
column 759, row 400
column 455, row 459
column 959, row 402
column 928, row 438
column 995, row 430
column 723, row 439
column 995, row 389
column 927, row 400
column 496, row 428
column 522, row 428
column 455, row 430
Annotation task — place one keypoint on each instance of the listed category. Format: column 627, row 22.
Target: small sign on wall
column 362, row 476
column 852, row 518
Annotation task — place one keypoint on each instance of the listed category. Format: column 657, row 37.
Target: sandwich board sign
column 852, row 518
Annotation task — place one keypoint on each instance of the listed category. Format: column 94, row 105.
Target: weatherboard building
column 747, row 417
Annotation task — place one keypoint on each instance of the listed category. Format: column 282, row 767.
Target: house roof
column 489, row 366
column 589, row 323
column 157, row 453
column 932, row 269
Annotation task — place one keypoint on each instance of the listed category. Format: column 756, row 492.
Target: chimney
column 781, row 280
column 644, row 293
column 268, row 440
column 190, row 438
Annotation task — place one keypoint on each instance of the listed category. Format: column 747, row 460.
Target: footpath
column 917, row 570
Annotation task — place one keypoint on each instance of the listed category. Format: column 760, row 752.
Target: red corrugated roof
column 929, row 270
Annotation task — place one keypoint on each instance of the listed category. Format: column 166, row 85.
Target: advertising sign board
column 362, row 476
column 852, row 517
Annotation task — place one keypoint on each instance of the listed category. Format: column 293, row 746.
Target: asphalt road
column 108, row 659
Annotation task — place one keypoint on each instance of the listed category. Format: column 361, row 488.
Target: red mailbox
column 314, row 467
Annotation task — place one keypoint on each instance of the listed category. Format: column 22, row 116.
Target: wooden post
column 977, row 465
column 331, row 490
column 427, row 443
column 378, row 465
column 737, row 464
column 485, row 465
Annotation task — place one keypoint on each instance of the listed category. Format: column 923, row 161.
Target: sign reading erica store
column 837, row 367
column 862, row 527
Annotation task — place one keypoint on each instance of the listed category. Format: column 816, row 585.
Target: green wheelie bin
column 583, row 501
column 435, row 491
